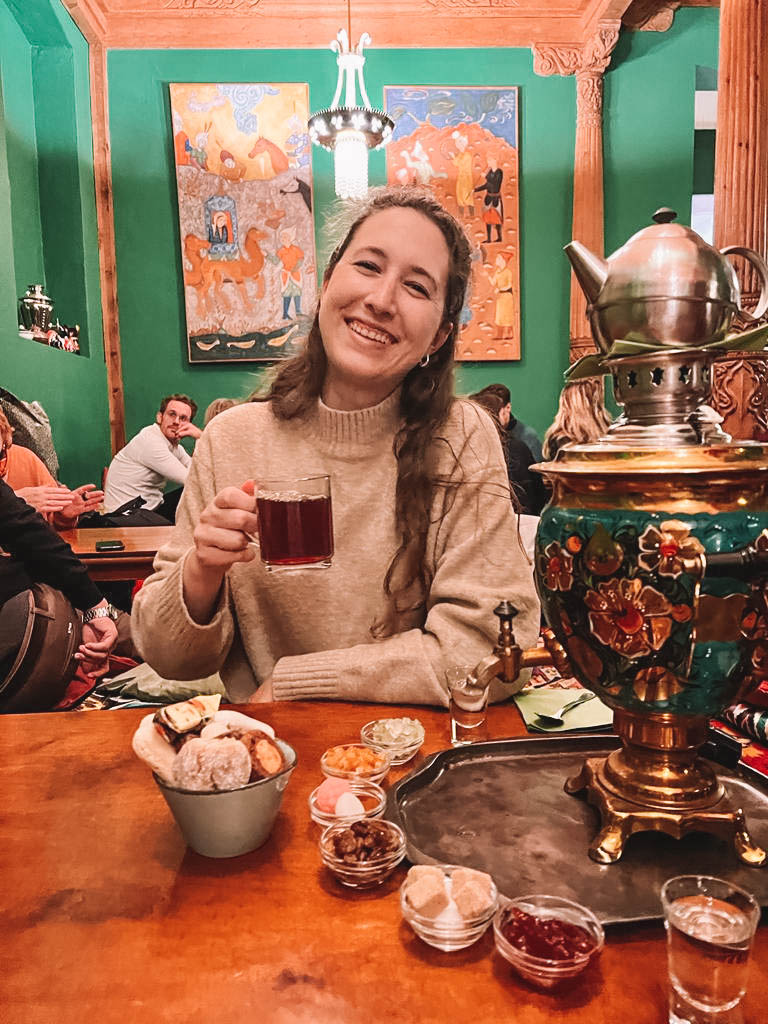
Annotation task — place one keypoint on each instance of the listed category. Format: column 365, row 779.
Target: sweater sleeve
column 42, row 555
column 476, row 559
column 167, row 637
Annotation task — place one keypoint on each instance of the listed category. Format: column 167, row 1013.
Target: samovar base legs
column 620, row 819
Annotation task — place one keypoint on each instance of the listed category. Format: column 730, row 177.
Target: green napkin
column 592, row 714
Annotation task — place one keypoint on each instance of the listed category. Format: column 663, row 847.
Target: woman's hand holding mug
column 222, row 537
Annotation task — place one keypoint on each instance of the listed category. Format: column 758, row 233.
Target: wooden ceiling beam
column 90, row 19
column 267, row 24
column 602, row 11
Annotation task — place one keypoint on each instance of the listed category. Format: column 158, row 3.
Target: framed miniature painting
column 462, row 141
column 243, row 174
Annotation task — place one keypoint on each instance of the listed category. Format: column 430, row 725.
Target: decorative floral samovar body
column 650, row 555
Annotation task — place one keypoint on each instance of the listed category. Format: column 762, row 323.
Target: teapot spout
column 590, row 270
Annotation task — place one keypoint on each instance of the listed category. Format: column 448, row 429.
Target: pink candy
column 329, row 792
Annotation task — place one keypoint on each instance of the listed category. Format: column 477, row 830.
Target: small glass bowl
column 361, row 874
column 448, row 936
column 373, row 775
column 399, row 752
column 372, row 797
column 540, row 971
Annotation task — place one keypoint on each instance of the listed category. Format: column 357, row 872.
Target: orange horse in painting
column 206, row 272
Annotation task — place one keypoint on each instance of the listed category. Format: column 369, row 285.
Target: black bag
column 129, row 514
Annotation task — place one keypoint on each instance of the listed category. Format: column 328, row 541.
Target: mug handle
column 761, row 267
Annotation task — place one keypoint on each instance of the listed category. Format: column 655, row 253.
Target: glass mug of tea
column 295, row 523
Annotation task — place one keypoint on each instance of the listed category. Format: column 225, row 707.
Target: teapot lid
column 664, row 227
column 670, row 260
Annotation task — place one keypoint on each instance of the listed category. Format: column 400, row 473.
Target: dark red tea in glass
column 295, row 523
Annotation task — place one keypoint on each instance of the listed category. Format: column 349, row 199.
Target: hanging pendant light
column 349, row 131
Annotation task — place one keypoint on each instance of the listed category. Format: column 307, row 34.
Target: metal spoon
column 557, row 717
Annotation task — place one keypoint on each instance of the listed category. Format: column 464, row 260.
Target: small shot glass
column 468, row 705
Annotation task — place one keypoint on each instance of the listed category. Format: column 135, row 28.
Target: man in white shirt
column 152, row 458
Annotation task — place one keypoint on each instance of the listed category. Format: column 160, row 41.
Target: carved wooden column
column 741, row 198
column 588, row 64
column 91, row 22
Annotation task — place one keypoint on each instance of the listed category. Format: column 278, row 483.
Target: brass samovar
column 652, row 554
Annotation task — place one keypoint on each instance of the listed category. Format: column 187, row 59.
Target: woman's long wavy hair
column 581, row 416
column 425, row 400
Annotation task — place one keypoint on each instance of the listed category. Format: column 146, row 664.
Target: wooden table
column 134, row 562
column 109, row 918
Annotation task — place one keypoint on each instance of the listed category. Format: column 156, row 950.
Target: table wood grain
column 108, row 917
column 133, row 562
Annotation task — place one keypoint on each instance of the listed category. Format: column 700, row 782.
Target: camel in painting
column 206, row 272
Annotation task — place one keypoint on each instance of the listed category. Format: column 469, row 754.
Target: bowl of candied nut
column 355, row 761
column 362, row 853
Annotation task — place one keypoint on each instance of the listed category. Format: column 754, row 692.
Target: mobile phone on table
column 110, row 545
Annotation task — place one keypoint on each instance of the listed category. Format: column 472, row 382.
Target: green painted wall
column 149, row 266
column 649, row 121
column 648, row 157
column 48, row 226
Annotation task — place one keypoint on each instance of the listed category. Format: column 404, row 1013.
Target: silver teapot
column 664, row 287
column 35, row 309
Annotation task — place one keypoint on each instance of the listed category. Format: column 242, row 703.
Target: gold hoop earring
column 424, row 361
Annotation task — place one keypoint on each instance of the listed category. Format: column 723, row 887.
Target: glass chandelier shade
column 349, row 131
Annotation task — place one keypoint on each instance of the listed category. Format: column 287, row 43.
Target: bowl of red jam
column 547, row 939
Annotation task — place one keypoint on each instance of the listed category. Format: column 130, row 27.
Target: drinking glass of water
column 295, row 523
column 468, row 703
column 710, row 925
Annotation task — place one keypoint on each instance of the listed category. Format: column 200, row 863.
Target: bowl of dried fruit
column 355, row 761
column 362, row 853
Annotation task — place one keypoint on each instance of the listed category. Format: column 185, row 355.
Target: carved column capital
column 596, row 52
column 650, row 16
column 593, row 56
column 556, row 60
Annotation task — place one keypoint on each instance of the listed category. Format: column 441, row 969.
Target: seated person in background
column 33, row 554
column 29, row 478
column 152, row 458
column 426, row 541
column 514, row 427
column 528, row 488
column 217, row 405
column 581, row 416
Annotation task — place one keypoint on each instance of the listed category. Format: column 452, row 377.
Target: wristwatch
column 108, row 612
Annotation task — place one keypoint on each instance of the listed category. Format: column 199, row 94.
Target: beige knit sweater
column 310, row 631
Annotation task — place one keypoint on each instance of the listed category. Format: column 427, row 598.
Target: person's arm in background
column 30, row 479
column 48, row 500
column 47, row 559
column 156, row 455
column 188, row 429
column 85, row 498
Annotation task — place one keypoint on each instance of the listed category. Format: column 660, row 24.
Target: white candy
column 348, row 805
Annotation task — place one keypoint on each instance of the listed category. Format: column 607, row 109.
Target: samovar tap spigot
column 508, row 658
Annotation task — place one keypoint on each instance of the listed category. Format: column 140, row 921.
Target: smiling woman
column 425, row 539
column 382, row 308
